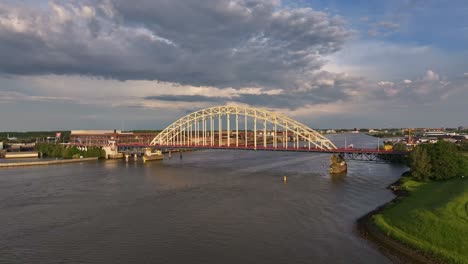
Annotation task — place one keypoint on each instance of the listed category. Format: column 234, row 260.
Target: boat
column 149, row 155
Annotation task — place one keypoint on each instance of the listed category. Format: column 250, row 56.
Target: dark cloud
column 218, row 43
column 290, row 100
column 187, row 98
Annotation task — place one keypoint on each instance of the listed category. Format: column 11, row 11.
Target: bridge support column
column 297, row 139
column 245, row 127
column 228, row 129
column 220, row 130
column 211, row 129
column 286, row 139
column 255, row 131
column 275, row 139
column 237, row 129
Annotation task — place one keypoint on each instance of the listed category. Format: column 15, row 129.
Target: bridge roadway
column 270, row 148
column 359, row 154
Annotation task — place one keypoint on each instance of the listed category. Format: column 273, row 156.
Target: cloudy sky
column 140, row 64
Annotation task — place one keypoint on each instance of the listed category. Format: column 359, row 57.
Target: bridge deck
column 271, row 148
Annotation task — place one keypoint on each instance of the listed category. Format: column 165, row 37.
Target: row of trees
column 439, row 161
column 32, row 136
column 69, row 152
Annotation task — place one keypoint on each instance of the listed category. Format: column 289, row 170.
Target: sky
column 142, row 64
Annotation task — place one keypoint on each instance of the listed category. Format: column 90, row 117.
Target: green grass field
column 433, row 218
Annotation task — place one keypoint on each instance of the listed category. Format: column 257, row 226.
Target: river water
column 212, row 206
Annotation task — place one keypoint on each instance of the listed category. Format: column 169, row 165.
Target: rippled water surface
column 208, row 207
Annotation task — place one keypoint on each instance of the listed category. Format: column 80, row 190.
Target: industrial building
column 109, row 137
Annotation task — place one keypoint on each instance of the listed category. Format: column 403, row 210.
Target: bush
column 70, row 152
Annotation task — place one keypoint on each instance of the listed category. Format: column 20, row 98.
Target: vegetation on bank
column 69, row 152
column 439, row 161
column 432, row 215
column 433, row 218
column 32, row 136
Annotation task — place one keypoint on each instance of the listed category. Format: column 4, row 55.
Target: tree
column 400, row 147
column 447, row 161
column 420, row 164
column 443, row 161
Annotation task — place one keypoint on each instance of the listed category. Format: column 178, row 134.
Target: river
column 212, row 206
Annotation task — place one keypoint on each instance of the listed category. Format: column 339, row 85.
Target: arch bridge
column 241, row 128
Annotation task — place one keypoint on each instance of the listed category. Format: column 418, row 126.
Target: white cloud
column 385, row 83
column 431, row 76
column 407, row 81
column 381, row 60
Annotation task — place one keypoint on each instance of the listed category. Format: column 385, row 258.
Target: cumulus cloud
column 428, row 88
column 385, row 83
column 431, row 76
column 212, row 43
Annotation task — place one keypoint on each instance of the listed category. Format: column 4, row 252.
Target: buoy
column 285, row 179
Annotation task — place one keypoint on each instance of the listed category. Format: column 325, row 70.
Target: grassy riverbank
column 432, row 218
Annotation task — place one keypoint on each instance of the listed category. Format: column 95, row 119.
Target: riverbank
column 46, row 162
column 425, row 223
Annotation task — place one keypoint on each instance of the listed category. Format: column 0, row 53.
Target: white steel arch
column 198, row 129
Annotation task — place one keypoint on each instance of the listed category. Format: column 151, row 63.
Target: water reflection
column 338, row 178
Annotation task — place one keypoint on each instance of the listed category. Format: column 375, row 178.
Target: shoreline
column 393, row 249
column 46, row 162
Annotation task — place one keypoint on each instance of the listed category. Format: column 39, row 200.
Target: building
column 434, row 133
column 110, row 137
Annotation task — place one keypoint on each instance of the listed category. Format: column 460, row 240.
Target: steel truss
column 368, row 156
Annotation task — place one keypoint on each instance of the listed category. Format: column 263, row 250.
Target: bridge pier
column 338, row 164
